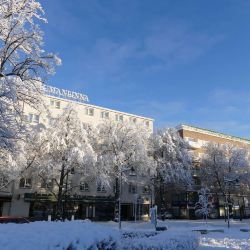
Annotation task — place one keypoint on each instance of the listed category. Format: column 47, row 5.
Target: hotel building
column 27, row 197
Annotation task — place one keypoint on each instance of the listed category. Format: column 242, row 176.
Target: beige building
column 27, row 197
column 198, row 138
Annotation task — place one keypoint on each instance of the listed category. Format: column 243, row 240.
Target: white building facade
column 27, row 197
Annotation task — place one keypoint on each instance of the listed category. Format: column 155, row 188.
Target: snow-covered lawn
column 232, row 238
column 85, row 235
column 78, row 235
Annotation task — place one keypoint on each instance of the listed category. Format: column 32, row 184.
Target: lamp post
column 228, row 184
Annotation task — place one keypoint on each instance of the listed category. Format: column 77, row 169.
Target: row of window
column 91, row 112
column 34, row 118
column 118, row 117
column 84, row 186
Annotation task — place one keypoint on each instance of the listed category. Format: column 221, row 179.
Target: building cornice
column 212, row 133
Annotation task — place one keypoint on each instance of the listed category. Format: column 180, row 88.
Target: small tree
column 202, row 206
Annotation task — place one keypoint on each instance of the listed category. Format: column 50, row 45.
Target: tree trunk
column 116, row 198
column 59, row 208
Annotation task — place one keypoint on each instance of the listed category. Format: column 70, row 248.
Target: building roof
column 213, row 133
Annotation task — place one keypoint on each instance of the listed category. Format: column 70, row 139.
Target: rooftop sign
column 63, row 93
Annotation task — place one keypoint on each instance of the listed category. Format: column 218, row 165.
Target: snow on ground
column 85, row 235
column 232, row 238
column 55, row 235
column 140, row 235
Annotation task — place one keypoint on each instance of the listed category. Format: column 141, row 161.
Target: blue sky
column 176, row 61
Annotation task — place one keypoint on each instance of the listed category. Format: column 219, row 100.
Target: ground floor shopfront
column 99, row 208
column 182, row 206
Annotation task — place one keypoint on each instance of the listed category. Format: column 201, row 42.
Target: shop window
column 25, row 183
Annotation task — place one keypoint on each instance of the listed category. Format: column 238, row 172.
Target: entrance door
column 90, row 212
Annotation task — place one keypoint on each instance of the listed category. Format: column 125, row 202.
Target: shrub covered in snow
column 163, row 241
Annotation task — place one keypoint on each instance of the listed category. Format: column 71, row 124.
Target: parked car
column 13, row 219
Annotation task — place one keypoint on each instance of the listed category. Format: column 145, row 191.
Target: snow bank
column 163, row 241
column 85, row 235
column 57, row 235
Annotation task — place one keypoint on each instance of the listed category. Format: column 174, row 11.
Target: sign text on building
column 50, row 90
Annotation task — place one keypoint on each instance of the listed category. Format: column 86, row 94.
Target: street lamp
column 228, row 183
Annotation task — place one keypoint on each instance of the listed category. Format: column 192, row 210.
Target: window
column 119, row 118
column 52, row 103
column 146, row 123
column 100, row 187
column 133, row 119
column 55, row 104
column 3, row 181
column 84, row 186
column 47, row 184
column 33, row 118
column 30, row 117
column 132, row 188
column 36, row 118
column 25, row 183
column 132, row 172
column 90, row 111
column 105, row 115
column 146, row 189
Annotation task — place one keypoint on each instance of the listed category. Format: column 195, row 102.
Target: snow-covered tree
column 202, row 207
column 24, row 65
column 174, row 163
column 171, row 154
column 223, row 164
column 123, row 148
column 58, row 152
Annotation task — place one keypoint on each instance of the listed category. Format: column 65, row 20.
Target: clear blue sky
column 176, row 61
